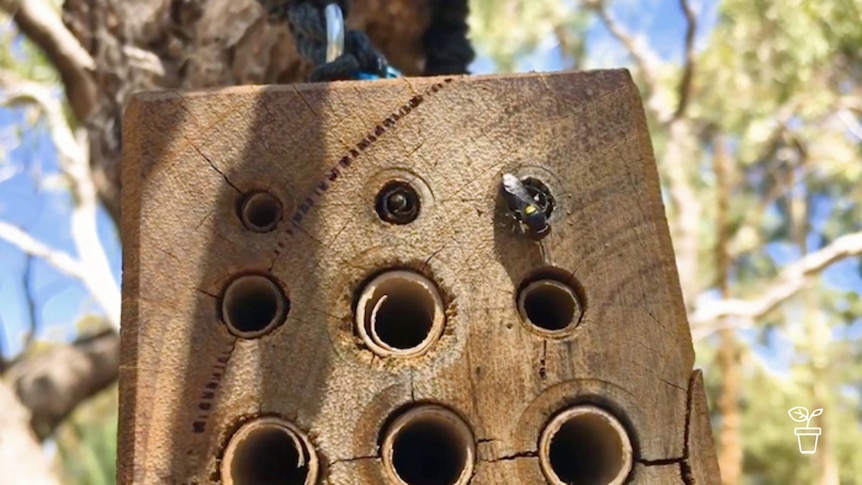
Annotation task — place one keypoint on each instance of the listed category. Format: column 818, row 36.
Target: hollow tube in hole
column 253, row 305
column 400, row 313
column 585, row 444
column 269, row 450
column 429, row 444
column 260, row 211
column 549, row 307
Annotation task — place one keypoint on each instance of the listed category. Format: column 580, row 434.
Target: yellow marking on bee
column 530, row 209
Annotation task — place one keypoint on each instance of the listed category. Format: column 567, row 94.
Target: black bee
column 525, row 207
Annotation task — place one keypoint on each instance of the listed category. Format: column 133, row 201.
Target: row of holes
column 397, row 202
column 399, row 312
column 432, row 445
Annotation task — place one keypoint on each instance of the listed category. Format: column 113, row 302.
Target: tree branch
column 107, row 297
column 52, row 383
column 790, row 281
column 851, row 123
column 642, row 56
column 43, row 26
column 678, row 161
column 32, row 314
column 93, row 268
column 688, row 69
column 61, row 261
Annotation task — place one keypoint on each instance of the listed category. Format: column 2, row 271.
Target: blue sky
column 43, row 211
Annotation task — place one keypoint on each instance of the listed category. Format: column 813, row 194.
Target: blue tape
column 391, row 73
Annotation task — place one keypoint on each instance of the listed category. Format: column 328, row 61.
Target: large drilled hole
column 429, row 445
column 260, row 211
column 400, row 313
column 585, row 444
column 269, row 451
column 397, row 203
column 549, row 305
column 253, row 305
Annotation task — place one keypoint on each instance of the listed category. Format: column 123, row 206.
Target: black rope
column 447, row 48
column 307, row 22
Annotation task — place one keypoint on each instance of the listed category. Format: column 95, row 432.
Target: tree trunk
column 730, row 446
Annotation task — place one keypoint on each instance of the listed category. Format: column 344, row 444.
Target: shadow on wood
column 333, row 263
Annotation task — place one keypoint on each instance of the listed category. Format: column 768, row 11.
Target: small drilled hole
column 269, row 451
column 260, row 211
column 585, row 444
column 400, row 313
column 429, row 445
column 549, row 305
column 397, row 203
column 253, row 305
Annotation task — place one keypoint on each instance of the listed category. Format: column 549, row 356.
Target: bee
column 528, row 210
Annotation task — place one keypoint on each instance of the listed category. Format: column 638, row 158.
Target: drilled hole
column 549, row 305
column 585, row 444
column 429, row 445
column 260, row 211
column 397, row 203
column 269, row 451
column 253, row 305
column 400, row 313
column 390, row 318
column 540, row 193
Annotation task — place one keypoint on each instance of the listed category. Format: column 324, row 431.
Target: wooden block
column 701, row 464
column 201, row 168
column 658, row 474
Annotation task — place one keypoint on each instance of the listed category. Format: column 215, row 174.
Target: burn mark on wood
column 208, row 395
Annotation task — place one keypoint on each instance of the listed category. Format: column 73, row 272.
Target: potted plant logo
column 807, row 436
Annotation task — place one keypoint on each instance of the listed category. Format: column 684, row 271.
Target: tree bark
column 52, row 383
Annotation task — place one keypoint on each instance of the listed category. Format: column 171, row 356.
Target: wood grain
column 187, row 383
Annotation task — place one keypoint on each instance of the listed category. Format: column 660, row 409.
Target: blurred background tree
column 754, row 110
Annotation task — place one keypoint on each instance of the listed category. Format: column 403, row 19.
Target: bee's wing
column 513, row 186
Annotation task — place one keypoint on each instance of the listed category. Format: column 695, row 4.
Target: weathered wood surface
column 187, row 383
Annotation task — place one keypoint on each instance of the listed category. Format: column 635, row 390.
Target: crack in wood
column 662, row 461
column 201, row 290
column 211, row 164
column 513, row 456
column 685, row 470
column 353, row 459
